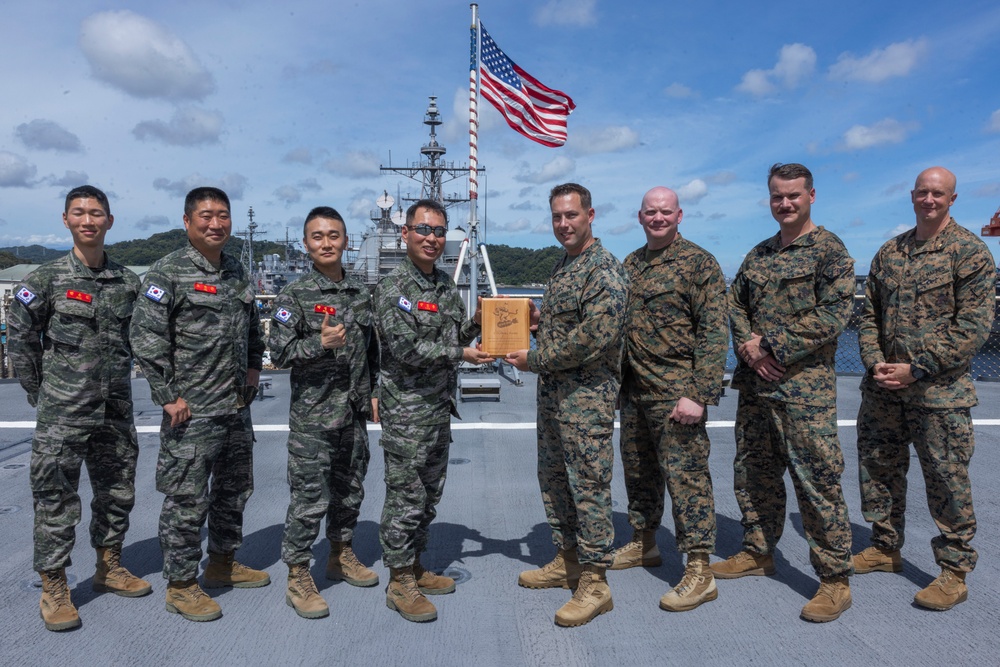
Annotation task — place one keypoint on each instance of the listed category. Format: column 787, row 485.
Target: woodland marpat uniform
column 930, row 304
column 578, row 361
column 799, row 298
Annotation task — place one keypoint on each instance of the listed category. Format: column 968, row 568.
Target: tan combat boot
column 696, row 587
column 591, row 598
column 56, row 606
column 112, row 577
column 562, row 572
column 402, row 595
column 302, row 595
column 945, row 592
column 430, row 583
column 187, row 599
column 877, row 559
column 344, row 565
column 831, row 600
column 743, row 564
column 642, row 550
column 225, row 570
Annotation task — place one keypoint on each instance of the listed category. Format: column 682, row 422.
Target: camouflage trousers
column 771, row 437
column 574, row 474
column 416, row 465
column 660, row 454
column 326, row 475
column 944, row 442
column 58, row 452
column 205, row 468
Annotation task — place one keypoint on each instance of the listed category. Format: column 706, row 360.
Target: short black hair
column 429, row 204
column 569, row 189
column 88, row 192
column 205, row 193
column 323, row 212
column 789, row 172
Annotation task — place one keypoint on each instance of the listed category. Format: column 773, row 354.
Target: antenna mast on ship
column 246, row 257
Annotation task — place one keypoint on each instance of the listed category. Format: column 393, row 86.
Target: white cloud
column 310, row 184
column 693, row 192
column 151, row 221
column 15, row 171
column 567, row 13
column 897, row 230
column 142, row 58
column 554, row 169
column 988, row 190
column 894, row 60
column 70, row 179
column 519, row 225
column 796, row 62
column 232, row 184
column 885, row 131
column 354, row 164
column 288, row 194
column 525, row 205
column 189, row 126
column 301, row 155
column 678, row 91
column 994, row 124
column 722, row 178
column 623, row 228
column 593, row 140
column 44, row 134
column 757, row 82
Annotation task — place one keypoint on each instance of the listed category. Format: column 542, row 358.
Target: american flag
column 531, row 108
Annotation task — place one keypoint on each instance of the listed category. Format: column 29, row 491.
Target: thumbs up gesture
column 332, row 337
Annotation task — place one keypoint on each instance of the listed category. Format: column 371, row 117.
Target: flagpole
column 474, row 160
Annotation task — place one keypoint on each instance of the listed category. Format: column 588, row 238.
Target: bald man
column 929, row 305
column 676, row 342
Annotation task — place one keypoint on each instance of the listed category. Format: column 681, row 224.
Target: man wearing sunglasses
column 423, row 332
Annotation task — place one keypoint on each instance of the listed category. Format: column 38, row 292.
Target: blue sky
column 296, row 104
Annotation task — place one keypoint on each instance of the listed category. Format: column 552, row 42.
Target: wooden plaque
column 506, row 325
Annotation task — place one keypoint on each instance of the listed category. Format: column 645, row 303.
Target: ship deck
column 490, row 526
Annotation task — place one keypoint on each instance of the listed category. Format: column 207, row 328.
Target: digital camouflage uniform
column 675, row 346
column 579, row 365
column 799, row 298
column 331, row 401
column 422, row 329
column 930, row 304
column 195, row 332
column 70, row 348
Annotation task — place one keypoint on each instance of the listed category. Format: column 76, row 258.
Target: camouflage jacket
column 69, row 340
column 676, row 338
column 930, row 304
column 800, row 299
column 195, row 332
column 422, row 330
column 580, row 343
column 328, row 386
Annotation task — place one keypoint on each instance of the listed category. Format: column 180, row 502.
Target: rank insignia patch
column 208, row 289
column 327, row 310
column 79, row 296
column 426, row 305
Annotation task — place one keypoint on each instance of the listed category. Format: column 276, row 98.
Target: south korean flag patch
column 404, row 304
column 25, row 296
column 155, row 293
column 283, row 315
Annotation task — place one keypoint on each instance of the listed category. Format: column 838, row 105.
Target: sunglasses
column 427, row 230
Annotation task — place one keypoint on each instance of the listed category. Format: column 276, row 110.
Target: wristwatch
column 917, row 373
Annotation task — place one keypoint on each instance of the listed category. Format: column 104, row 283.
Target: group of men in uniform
column 649, row 334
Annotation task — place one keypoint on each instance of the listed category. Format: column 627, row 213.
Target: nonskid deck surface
column 490, row 526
